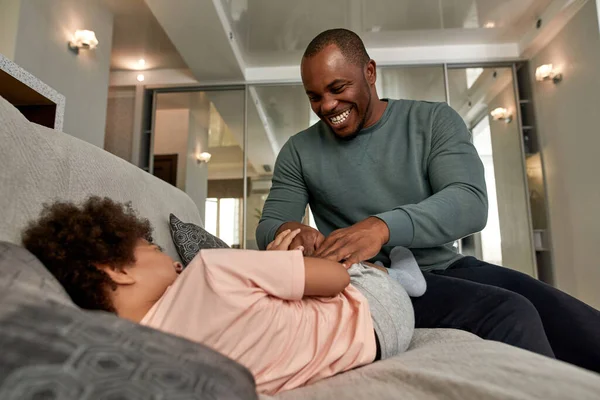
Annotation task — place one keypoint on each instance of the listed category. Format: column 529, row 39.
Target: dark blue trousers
column 504, row 305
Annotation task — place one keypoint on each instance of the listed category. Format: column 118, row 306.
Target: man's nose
column 328, row 105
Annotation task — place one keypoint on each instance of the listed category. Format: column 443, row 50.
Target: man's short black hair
column 349, row 43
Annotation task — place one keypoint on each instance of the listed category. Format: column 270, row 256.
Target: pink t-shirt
column 249, row 306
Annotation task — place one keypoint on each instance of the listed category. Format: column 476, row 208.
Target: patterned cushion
column 190, row 238
column 51, row 350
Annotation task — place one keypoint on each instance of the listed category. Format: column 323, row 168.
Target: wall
column 171, row 137
column 196, row 180
column 9, row 23
column 567, row 117
column 119, row 121
column 44, row 29
column 513, row 199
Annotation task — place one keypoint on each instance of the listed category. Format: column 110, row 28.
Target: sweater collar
column 382, row 120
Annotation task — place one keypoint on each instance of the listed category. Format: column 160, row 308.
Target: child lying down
column 291, row 320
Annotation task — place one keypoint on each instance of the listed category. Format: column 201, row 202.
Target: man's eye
column 337, row 89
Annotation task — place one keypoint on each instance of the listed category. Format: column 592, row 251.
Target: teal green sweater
column 416, row 169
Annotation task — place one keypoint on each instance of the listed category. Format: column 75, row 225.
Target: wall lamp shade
column 203, row 157
column 83, row 39
column 547, row 72
column 501, row 114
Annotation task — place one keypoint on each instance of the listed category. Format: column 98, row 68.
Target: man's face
column 339, row 91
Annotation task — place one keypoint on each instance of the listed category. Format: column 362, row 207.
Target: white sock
column 406, row 271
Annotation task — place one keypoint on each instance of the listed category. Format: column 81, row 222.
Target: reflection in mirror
column 275, row 113
column 474, row 93
column 490, row 239
column 188, row 124
column 411, row 83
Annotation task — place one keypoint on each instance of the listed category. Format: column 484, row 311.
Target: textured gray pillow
column 51, row 350
column 190, row 238
column 21, row 269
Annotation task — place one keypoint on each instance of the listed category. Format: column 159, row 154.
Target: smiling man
column 383, row 173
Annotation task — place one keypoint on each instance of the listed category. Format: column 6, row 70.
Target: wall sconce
column 83, row 39
column 547, row 72
column 203, row 158
column 501, row 114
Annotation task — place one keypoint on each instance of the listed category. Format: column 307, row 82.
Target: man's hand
column 308, row 238
column 356, row 243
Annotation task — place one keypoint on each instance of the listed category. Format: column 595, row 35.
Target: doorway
column 165, row 167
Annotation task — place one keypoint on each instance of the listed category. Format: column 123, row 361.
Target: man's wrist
column 381, row 229
column 400, row 227
column 292, row 225
column 281, row 228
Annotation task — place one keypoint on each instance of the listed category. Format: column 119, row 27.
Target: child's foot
column 406, row 271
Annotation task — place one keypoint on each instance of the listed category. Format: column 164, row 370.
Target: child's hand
column 283, row 241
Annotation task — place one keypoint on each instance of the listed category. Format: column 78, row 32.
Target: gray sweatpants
column 391, row 308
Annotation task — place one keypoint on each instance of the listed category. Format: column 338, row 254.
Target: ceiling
column 265, row 40
column 196, row 29
column 137, row 34
column 222, row 40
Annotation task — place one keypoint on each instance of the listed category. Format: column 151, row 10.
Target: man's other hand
column 356, row 243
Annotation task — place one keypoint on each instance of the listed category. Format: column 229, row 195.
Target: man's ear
column 120, row 276
column 371, row 72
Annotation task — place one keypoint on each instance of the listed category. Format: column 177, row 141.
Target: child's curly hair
column 71, row 241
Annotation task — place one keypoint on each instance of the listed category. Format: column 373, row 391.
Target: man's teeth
column 338, row 119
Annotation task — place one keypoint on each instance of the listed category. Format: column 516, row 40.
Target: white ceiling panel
column 196, row 30
column 277, row 32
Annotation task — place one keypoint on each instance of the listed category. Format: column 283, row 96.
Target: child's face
column 153, row 269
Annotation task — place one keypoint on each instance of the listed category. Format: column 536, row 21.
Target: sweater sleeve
column 288, row 196
column 458, row 206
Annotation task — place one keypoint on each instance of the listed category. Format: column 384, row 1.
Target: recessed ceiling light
column 490, row 25
column 141, row 62
column 140, row 78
